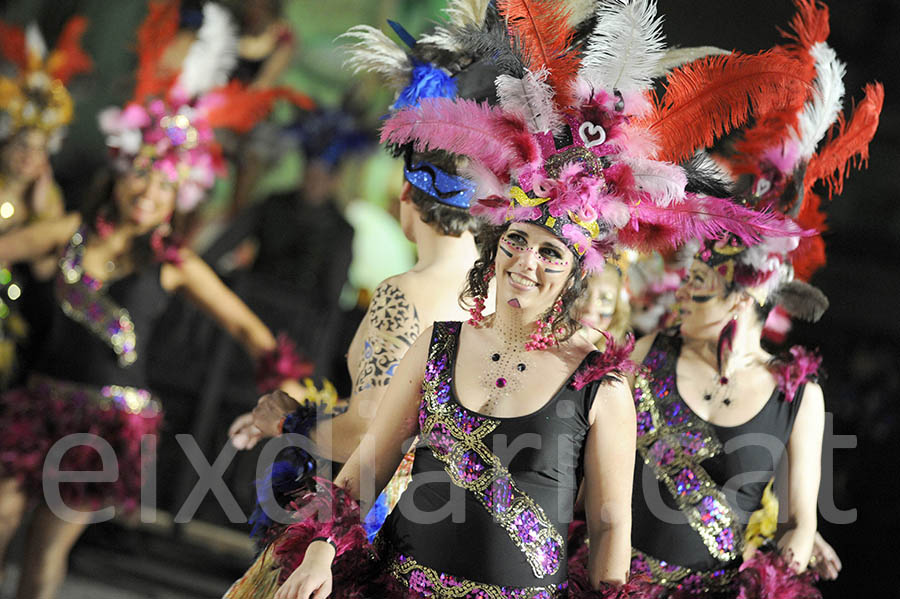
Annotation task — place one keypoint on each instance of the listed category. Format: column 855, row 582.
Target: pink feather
column 801, row 366
column 767, row 575
column 613, row 360
column 701, row 217
column 459, row 126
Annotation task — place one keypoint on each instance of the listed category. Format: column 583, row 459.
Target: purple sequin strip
column 470, row 466
column 686, row 482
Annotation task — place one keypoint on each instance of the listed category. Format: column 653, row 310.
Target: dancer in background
column 120, row 262
column 716, row 413
column 35, row 108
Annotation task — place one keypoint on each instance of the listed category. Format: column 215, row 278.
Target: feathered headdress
column 168, row 125
column 37, row 97
column 581, row 145
column 780, row 159
column 436, row 65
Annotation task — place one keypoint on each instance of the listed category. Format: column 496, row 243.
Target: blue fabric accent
column 376, row 517
column 448, row 189
column 425, row 81
column 403, row 34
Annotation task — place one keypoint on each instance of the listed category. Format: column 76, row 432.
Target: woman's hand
column 270, row 411
column 824, row 560
column 312, row 578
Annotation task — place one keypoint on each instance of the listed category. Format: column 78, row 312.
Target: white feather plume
column 463, row 13
column 375, row 52
column 580, row 11
column 663, row 181
column 34, row 41
column 487, row 184
column 626, row 46
column 675, row 57
column 213, row 55
column 827, row 99
column 531, row 98
column 459, row 14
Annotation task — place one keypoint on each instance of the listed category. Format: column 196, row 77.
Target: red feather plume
column 240, row 108
column 68, row 58
column 544, row 32
column 153, row 37
column 809, row 25
column 12, row 45
column 810, row 253
column 848, row 144
column 711, row 96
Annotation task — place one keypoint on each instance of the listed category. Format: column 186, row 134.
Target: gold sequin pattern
column 660, row 444
column 673, row 577
column 456, row 438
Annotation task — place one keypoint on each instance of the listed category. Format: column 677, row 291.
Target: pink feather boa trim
column 767, row 575
column 613, row 360
column 280, row 364
column 802, row 366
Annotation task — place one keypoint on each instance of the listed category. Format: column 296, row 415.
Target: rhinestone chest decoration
column 673, row 442
column 82, row 299
column 456, row 437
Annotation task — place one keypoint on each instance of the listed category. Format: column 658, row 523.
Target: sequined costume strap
column 673, row 442
column 83, row 300
column 431, row 583
column 680, row 578
column 456, row 437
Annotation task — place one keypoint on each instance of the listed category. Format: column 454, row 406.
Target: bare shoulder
column 614, row 403
column 642, row 347
column 813, row 401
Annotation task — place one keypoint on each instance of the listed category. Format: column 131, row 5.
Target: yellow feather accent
column 260, row 581
column 763, row 521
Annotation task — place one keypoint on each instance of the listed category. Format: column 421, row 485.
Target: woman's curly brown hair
column 563, row 325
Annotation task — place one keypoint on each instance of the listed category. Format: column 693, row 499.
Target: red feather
column 240, row 108
column 711, row 96
column 12, row 45
column 848, row 144
column 68, row 58
column 544, row 32
column 154, row 36
column 809, row 25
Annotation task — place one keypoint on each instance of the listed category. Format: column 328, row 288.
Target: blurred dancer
column 120, row 262
column 36, row 107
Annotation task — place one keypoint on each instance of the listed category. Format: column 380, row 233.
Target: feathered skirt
column 80, row 428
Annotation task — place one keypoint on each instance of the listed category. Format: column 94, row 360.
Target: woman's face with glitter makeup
column 704, row 304
column 532, row 267
column 145, row 198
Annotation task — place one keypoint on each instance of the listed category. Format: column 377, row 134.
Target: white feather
column 663, row 181
column 531, row 98
column 213, row 55
column 441, row 37
column 580, row 11
column 375, row 52
column 34, row 41
column 827, row 98
column 463, row 13
column 675, row 57
column 626, row 46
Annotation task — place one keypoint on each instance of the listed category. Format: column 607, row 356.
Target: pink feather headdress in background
column 581, row 144
column 169, row 123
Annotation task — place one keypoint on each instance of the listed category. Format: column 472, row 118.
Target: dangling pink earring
column 477, row 311
column 543, row 336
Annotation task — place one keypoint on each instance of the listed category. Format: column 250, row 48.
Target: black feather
column 704, row 176
column 802, row 300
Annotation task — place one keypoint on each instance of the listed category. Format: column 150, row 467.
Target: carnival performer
column 35, row 108
column 564, row 170
column 120, row 262
column 605, row 306
column 716, row 413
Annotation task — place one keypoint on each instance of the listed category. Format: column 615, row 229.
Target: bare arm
column 201, row 284
column 609, row 469
column 35, row 241
column 804, row 453
column 389, row 329
column 365, row 477
column 275, row 65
